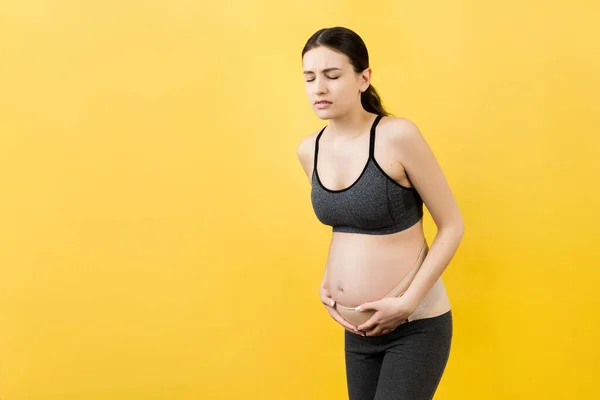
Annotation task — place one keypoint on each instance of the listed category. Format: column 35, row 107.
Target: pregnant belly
column 369, row 270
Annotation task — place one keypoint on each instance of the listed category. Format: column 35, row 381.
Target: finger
column 381, row 330
column 344, row 323
column 378, row 330
column 338, row 318
column 370, row 323
column 357, row 333
column 328, row 301
column 373, row 305
column 384, row 331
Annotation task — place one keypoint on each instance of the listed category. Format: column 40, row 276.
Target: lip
column 321, row 104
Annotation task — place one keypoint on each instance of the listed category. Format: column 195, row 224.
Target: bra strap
column 317, row 149
column 372, row 138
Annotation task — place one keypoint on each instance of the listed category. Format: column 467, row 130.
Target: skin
column 361, row 269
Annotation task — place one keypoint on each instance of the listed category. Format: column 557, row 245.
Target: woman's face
column 330, row 77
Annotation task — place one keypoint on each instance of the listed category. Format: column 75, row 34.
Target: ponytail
column 371, row 102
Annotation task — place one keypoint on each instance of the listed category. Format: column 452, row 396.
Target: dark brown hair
column 348, row 42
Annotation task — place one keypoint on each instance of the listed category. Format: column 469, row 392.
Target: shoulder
column 400, row 129
column 402, row 135
column 305, row 148
column 305, row 151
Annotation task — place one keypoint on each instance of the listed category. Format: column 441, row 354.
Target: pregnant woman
column 371, row 173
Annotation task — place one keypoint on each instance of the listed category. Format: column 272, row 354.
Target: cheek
column 307, row 89
column 346, row 91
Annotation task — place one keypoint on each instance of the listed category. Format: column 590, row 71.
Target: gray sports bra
column 374, row 204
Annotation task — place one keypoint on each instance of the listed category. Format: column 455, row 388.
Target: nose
column 320, row 86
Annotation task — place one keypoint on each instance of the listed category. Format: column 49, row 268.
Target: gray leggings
column 404, row 364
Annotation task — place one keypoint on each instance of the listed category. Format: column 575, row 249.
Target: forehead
column 322, row 57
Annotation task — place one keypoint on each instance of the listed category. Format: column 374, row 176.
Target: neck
column 351, row 124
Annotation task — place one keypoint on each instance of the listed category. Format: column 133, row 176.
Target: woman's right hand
column 329, row 303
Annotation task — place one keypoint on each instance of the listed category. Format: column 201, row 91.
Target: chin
column 324, row 114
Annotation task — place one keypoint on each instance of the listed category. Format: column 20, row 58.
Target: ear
column 365, row 79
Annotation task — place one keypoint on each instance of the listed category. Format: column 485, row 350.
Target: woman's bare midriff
column 363, row 268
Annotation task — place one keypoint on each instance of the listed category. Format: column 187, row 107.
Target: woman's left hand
column 390, row 312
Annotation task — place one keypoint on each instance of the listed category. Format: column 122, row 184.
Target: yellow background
column 156, row 235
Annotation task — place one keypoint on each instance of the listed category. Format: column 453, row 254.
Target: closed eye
column 332, row 78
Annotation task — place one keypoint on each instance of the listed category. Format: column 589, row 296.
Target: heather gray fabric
column 405, row 364
column 374, row 204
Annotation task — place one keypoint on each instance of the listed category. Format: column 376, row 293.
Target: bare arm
column 305, row 152
column 427, row 177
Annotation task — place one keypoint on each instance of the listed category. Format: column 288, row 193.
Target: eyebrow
column 325, row 70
